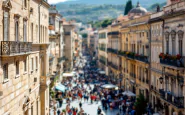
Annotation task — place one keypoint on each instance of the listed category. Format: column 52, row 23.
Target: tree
column 140, row 105
column 128, row 7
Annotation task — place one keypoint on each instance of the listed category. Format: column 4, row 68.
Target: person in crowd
column 99, row 111
column 80, row 104
column 58, row 112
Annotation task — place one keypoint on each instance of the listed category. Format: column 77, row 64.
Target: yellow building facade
column 135, row 54
column 114, row 45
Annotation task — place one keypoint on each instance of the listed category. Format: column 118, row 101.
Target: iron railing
column 15, row 48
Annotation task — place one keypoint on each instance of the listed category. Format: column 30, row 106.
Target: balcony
column 176, row 101
column 122, row 53
column 102, row 49
column 13, row 48
column 141, row 58
column 162, row 93
column 179, row 102
column 113, row 65
column 112, row 50
column 102, row 61
column 174, row 61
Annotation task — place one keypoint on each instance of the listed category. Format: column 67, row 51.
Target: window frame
column 5, row 76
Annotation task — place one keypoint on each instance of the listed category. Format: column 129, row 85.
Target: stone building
column 56, row 58
column 171, row 59
column 102, row 49
column 24, row 57
column 156, row 39
column 114, row 45
column 135, row 52
column 68, row 45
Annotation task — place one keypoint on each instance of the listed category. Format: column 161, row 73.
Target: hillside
column 87, row 11
column 144, row 3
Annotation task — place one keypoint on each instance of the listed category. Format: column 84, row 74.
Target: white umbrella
column 109, row 86
column 102, row 72
column 129, row 93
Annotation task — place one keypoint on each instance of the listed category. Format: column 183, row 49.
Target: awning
column 129, row 93
column 102, row 72
column 68, row 74
column 60, row 87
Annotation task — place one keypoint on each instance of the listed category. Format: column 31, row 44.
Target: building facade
column 68, row 46
column 102, row 49
column 114, row 45
column 56, row 47
column 171, row 58
column 24, row 57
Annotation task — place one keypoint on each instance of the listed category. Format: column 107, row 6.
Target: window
column 167, row 42
column 25, row 30
column 16, row 30
column 180, row 36
column 17, row 67
column 173, row 35
column 25, row 3
column 32, row 32
column 6, row 25
column 32, row 64
column 25, row 65
column 36, row 62
column 5, row 70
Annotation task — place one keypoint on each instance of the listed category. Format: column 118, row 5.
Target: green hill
column 88, row 12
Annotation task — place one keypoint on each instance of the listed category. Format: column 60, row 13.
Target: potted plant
column 161, row 55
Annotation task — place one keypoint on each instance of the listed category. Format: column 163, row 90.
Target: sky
column 56, row 1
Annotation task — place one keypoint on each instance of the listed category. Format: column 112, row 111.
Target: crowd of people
column 86, row 87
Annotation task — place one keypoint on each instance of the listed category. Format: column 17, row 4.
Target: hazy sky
column 55, row 1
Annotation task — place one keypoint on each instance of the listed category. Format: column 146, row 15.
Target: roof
column 138, row 10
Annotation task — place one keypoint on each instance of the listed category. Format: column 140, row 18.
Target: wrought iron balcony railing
column 142, row 58
column 102, row 61
column 113, row 65
column 162, row 93
column 170, row 62
column 112, row 50
column 10, row 48
column 179, row 102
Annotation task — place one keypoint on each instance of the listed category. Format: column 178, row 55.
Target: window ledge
column 5, row 80
column 17, row 76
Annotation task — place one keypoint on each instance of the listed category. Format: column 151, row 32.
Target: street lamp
column 161, row 80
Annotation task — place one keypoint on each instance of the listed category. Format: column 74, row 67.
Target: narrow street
column 87, row 81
